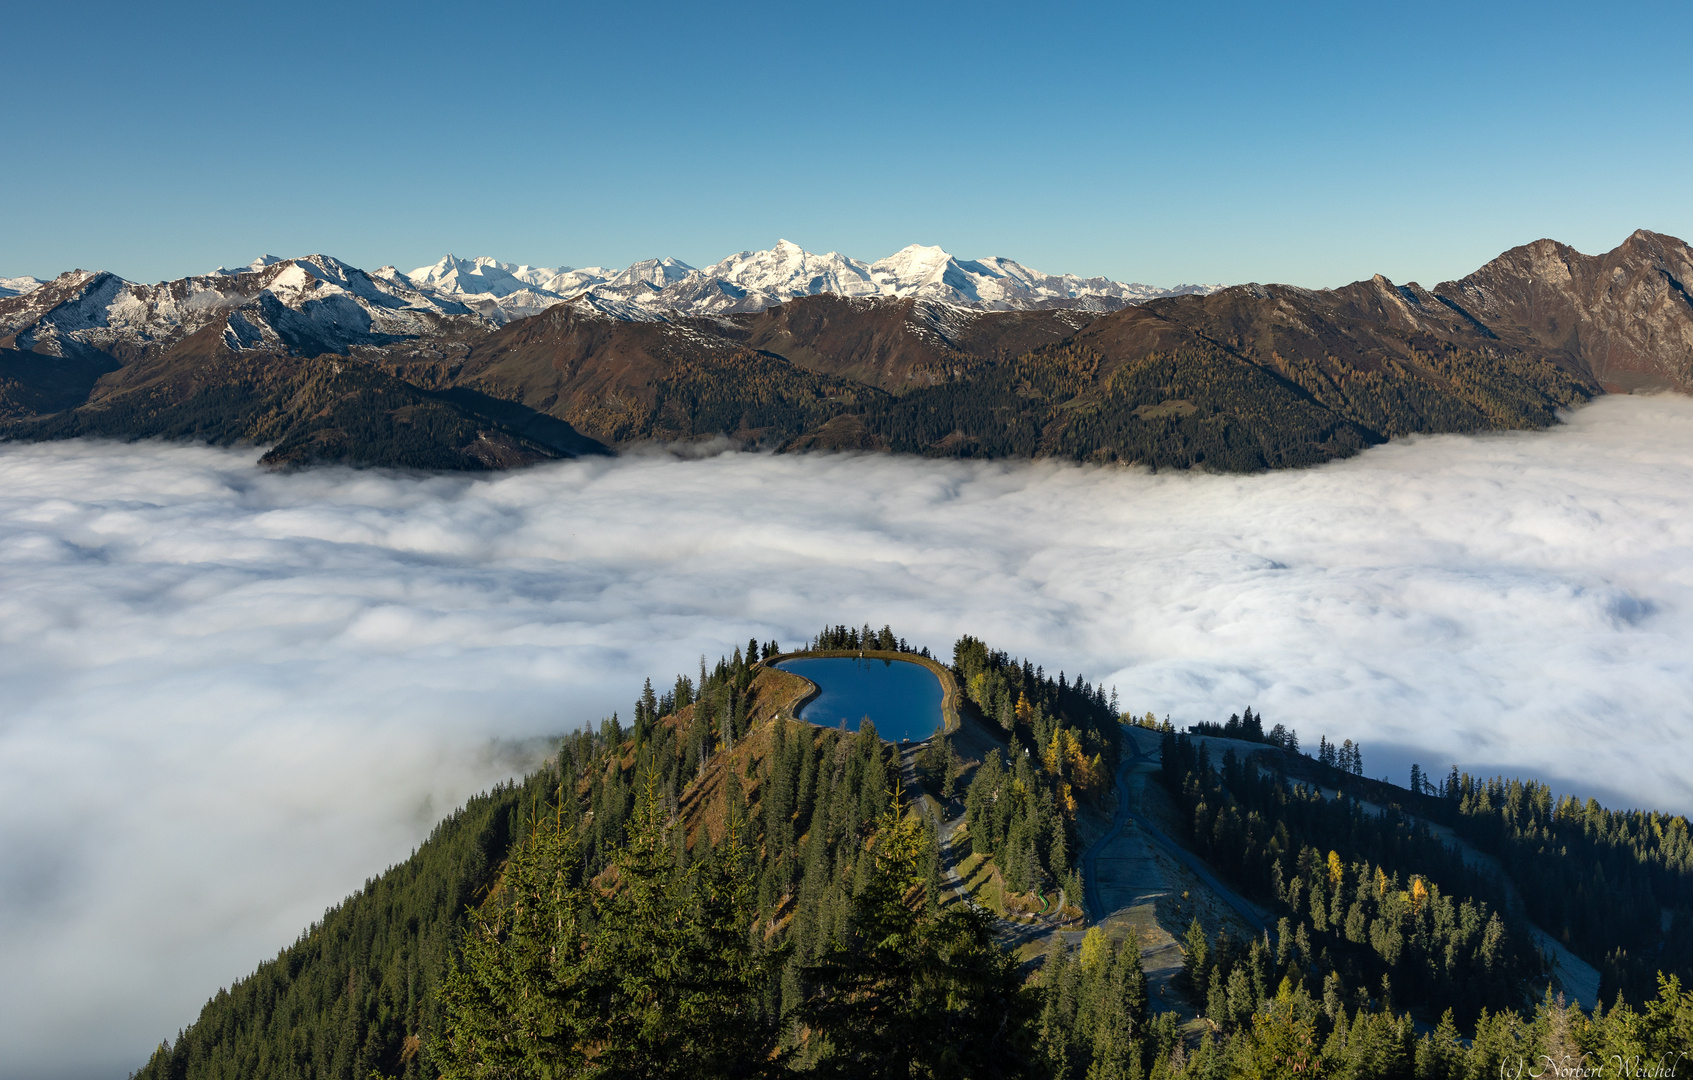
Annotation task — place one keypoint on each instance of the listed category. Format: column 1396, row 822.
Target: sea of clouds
column 227, row 697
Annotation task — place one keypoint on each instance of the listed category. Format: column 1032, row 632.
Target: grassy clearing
column 983, row 883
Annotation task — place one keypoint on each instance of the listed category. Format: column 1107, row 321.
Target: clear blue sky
column 1308, row 143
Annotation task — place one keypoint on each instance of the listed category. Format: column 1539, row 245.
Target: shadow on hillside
column 550, row 431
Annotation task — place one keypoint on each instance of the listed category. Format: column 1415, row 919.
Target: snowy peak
column 482, row 276
column 17, row 286
column 910, row 268
column 788, row 270
column 654, row 273
column 257, row 264
column 568, row 282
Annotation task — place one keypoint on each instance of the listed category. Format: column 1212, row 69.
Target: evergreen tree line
column 1348, row 757
column 1095, row 1021
column 1063, row 746
column 1034, row 709
column 1220, row 404
column 1616, row 886
column 1168, row 410
column 1294, row 1033
column 1372, row 903
column 1018, row 819
column 1250, row 728
column 358, row 990
column 707, row 715
column 852, row 639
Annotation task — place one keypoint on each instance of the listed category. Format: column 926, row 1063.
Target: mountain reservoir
column 902, row 699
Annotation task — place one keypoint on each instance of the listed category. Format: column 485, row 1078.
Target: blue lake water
column 902, row 699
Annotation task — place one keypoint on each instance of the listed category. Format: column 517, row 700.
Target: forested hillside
column 721, row 885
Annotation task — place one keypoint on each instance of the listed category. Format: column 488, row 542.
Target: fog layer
column 228, row 697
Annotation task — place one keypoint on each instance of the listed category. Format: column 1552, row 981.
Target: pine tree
column 911, row 991
column 1058, row 1008
column 514, row 1007
column 1196, row 954
column 1283, row 1040
column 668, row 971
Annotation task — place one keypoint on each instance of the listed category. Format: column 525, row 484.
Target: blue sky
column 1312, row 144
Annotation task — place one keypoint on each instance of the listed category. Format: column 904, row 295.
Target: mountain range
column 482, row 364
column 754, row 280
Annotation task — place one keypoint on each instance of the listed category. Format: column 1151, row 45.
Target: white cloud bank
column 227, row 697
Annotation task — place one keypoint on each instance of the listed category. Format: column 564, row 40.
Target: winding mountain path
column 1009, row 932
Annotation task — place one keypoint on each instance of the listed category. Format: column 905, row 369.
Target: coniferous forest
column 717, row 889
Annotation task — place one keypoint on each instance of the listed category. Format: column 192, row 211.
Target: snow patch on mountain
column 17, row 286
column 605, row 307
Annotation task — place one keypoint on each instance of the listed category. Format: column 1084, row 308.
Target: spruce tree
column 912, row 991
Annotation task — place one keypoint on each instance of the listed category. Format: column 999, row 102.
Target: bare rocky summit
column 1626, row 314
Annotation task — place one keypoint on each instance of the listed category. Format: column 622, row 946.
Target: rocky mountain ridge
column 325, row 362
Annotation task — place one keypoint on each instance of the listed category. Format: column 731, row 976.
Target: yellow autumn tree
column 1419, row 893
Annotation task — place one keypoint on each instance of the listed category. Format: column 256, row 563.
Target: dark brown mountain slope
column 898, row 344
column 620, row 381
column 311, row 410
column 35, row 384
column 1246, row 378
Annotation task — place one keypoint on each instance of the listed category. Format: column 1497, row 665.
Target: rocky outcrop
column 1625, row 315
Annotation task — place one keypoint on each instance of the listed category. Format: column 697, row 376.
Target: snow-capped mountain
column 473, row 277
column 313, row 305
column 17, row 286
column 755, row 280
column 788, row 270
column 257, row 264
column 321, row 304
column 655, row 274
column 500, row 291
column 998, row 284
column 568, row 282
